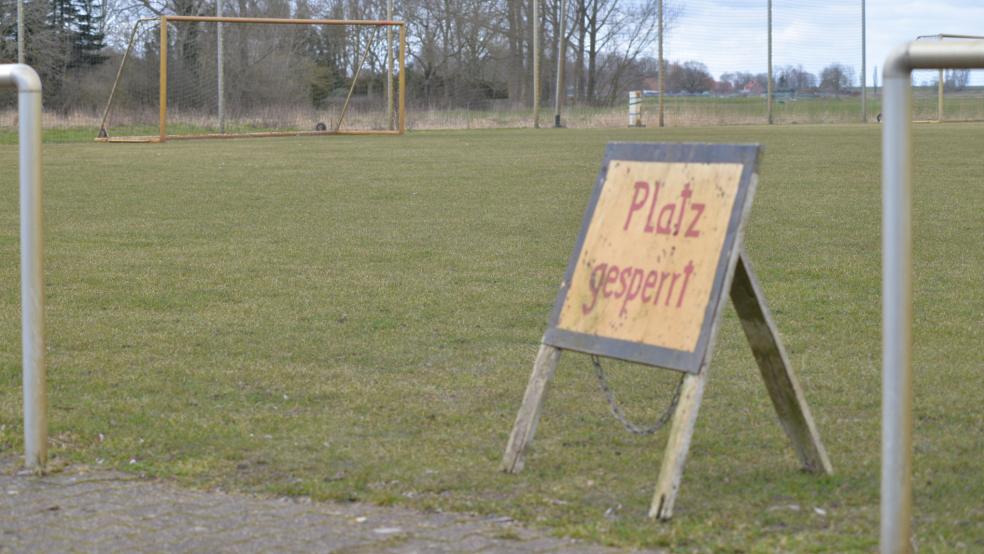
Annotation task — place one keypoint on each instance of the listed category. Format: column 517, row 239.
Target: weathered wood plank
column 784, row 389
column 529, row 413
column 678, row 445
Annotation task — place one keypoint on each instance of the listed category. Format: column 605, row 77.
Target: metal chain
column 620, row 415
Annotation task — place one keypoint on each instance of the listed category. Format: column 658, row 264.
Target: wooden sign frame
column 733, row 274
column 671, row 358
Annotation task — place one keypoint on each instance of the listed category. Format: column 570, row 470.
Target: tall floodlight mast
column 536, row 64
column 561, row 58
column 769, row 84
column 220, row 67
column 864, row 84
column 20, row 31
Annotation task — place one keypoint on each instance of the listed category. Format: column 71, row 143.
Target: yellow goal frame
column 164, row 137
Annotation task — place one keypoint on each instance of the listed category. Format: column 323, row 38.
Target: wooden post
column 678, row 445
column 784, row 389
column 529, row 413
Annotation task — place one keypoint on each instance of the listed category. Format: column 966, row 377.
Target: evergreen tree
column 78, row 25
column 89, row 39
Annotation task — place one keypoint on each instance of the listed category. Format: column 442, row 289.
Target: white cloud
column 730, row 35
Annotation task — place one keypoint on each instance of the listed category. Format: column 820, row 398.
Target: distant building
column 753, row 88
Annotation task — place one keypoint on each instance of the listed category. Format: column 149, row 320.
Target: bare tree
column 956, row 79
column 836, row 78
column 691, row 77
column 795, row 78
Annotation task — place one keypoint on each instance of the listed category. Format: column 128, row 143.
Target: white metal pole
column 896, row 476
column 28, row 86
column 20, row 31
column 220, row 66
column 896, row 481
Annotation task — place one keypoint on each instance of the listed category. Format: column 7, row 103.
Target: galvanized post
column 162, row 84
column 536, row 63
column 864, row 59
column 28, row 86
column 769, row 84
column 20, row 31
column 896, row 476
column 220, row 67
column 896, row 482
column 660, row 82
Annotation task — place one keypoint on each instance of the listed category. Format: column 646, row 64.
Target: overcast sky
column 729, row 35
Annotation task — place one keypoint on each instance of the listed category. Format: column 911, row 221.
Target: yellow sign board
column 646, row 277
column 658, row 254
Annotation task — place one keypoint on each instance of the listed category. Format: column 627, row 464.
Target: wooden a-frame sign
column 659, row 246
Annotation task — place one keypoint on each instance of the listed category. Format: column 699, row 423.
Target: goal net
column 205, row 77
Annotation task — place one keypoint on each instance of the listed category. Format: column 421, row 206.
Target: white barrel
column 635, row 108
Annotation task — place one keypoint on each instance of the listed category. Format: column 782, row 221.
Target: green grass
column 8, row 135
column 356, row 318
column 844, row 109
column 66, row 134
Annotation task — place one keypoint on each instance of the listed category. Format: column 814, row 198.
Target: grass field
column 356, row 318
column 711, row 110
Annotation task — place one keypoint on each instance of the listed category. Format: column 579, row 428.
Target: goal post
column 897, row 375
column 230, row 77
column 957, row 95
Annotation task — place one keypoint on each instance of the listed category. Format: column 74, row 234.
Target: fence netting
column 469, row 65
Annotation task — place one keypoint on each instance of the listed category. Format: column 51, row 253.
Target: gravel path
column 77, row 510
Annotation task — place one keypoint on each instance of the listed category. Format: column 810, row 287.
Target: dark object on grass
column 103, row 133
column 320, row 127
column 878, row 117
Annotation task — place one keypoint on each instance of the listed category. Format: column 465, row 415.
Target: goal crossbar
column 941, row 82
column 162, row 136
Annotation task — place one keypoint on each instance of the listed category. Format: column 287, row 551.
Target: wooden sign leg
column 678, row 445
column 529, row 413
column 784, row 389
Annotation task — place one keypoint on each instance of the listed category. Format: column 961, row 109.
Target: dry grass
column 369, row 115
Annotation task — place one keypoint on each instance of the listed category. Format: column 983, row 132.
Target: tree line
column 461, row 53
column 64, row 38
